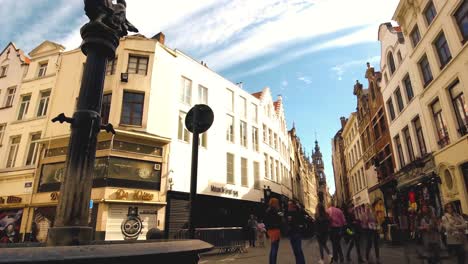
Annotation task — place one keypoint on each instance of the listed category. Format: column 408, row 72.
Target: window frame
column 415, row 36
column 33, row 149
column 429, row 7
column 2, row 132
column 443, row 138
column 399, row 99
column 230, row 175
column 243, row 133
column 3, row 71
column 391, row 63
column 419, row 135
column 10, row 145
column 42, row 112
column 138, row 58
column 408, row 88
column 409, row 143
column 425, row 70
column 106, row 108
column 133, row 104
column 464, row 4
column 23, row 107
column 442, row 49
column 230, row 133
column 111, row 66
column 202, row 95
column 10, row 97
column 42, row 69
column 459, row 104
column 186, row 91
column 399, row 149
column 255, row 139
column 182, row 132
column 244, row 172
column 391, row 109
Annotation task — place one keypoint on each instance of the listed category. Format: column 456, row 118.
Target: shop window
column 409, row 143
column 461, row 16
column 426, row 72
column 430, row 12
column 230, row 128
column 391, row 110
column 10, row 220
column 43, row 103
column 105, row 108
column 33, row 150
column 10, row 96
column 131, row 147
column 183, row 133
column 243, row 133
column 230, row 168
column 244, row 172
column 24, row 106
column 13, row 151
column 132, row 109
column 110, row 67
column 439, row 120
column 460, row 107
column 138, row 64
column 202, row 95
column 408, row 88
column 448, row 179
column 443, row 50
column 256, row 167
column 186, row 91
column 420, row 136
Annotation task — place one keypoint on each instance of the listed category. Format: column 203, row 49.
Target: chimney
column 343, row 121
column 160, row 37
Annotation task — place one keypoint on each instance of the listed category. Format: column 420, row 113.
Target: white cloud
column 305, row 79
column 342, row 68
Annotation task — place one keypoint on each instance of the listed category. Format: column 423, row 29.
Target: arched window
column 391, row 62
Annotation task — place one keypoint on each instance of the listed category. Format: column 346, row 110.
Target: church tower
column 319, row 173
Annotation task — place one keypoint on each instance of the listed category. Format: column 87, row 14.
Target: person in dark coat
column 273, row 223
column 296, row 223
column 353, row 232
column 322, row 225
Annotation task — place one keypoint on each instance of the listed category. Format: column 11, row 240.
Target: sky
column 310, row 52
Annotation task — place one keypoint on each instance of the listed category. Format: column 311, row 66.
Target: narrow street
column 259, row 255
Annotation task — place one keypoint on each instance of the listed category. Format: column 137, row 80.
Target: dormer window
column 42, row 69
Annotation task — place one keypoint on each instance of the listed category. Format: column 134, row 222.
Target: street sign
column 204, row 119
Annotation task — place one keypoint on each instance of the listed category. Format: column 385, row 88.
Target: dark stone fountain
column 70, row 240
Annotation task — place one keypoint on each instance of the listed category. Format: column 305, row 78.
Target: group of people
column 357, row 228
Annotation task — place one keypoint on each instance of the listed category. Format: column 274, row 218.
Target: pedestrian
column 322, row 225
column 296, row 221
column 337, row 224
column 353, row 231
column 273, row 222
column 261, row 231
column 372, row 233
column 252, row 230
column 455, row 226
column 429, row 229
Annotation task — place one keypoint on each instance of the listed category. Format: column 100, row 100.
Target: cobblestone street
column 259, row 255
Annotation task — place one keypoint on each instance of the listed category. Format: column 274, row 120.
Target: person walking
column 252, row 230
column 337, row 223
column 353, row 231
column 429, row 228
column 372, row 233
column 296, row 222
column 455, row 226
column 322, row 225
column 261, row 231
column 273, row 222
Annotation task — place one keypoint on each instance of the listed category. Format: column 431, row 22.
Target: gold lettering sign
column 54, row 196
column 120, row 194
column 144, row 196
column 14, row 199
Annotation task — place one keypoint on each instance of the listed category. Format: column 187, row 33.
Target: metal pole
column 193, row 175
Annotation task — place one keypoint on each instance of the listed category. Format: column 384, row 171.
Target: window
column 43, row 103
column 265, row 132
column 442, row 133
column 243, row 107
column 254, row 108
column 3, row 71
column 132, row 109
column 278, row 173
column 23, row 110
column 202, row 95
column 415, row 36
column 2, row 132
column 399, row 57
column 230, row 128
column 10, row 96
column 229, row 100
column 408, row 88
column 430, row 12
column 244, row 173
column 399, row 99
column 267, row 174
column 33, row 150
column 461, row 16
column 256, row 167
column 42, row 69
column 186, row 91
column 459, row 106
column 105, row 108
column 399, row 148
column 272, row 169
column 270, row 137
column 110, row 67
column 183, row 133
column 230, row 168
column 420, row 136
column 255, row 138
column 391, row 63
column 376, row 131
column 276, row 141
column 409, row 143
column 243, row 133
column 137, row 64
column 425, row 70
column 13, row 151
column 391, row 111
column 443, row 50
column 203, row 139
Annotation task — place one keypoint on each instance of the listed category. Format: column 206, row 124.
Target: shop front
column 12, row 215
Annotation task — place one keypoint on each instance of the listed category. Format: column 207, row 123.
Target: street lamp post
column 100, row 40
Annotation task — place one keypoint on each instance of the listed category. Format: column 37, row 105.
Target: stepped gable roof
column 20, row 53
column 258, row 95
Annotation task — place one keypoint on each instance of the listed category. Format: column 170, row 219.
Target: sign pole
column 193, row 174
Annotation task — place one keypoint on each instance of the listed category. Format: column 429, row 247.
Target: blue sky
column 309, row 51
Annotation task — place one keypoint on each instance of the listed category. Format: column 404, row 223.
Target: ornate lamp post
column 101, row 36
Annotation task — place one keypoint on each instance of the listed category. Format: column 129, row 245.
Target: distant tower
column 319, row 172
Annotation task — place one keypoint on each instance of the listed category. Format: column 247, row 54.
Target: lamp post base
column 69, row 236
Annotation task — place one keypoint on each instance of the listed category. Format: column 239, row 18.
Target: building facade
column 342, row 187
column 436, row 61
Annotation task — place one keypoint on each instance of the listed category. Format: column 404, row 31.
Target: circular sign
column 131, row 227
column 204, row 119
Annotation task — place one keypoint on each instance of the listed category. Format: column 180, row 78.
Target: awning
column 422, row 178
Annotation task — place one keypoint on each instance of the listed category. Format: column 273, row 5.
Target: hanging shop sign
column 224, row 190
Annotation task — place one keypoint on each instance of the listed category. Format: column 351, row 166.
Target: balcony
column 443, row 141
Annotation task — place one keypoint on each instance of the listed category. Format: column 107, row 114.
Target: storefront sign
column 120, row 194
column 144, row 196
column 224, row 190
column 54, row 196
column 14, row 199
